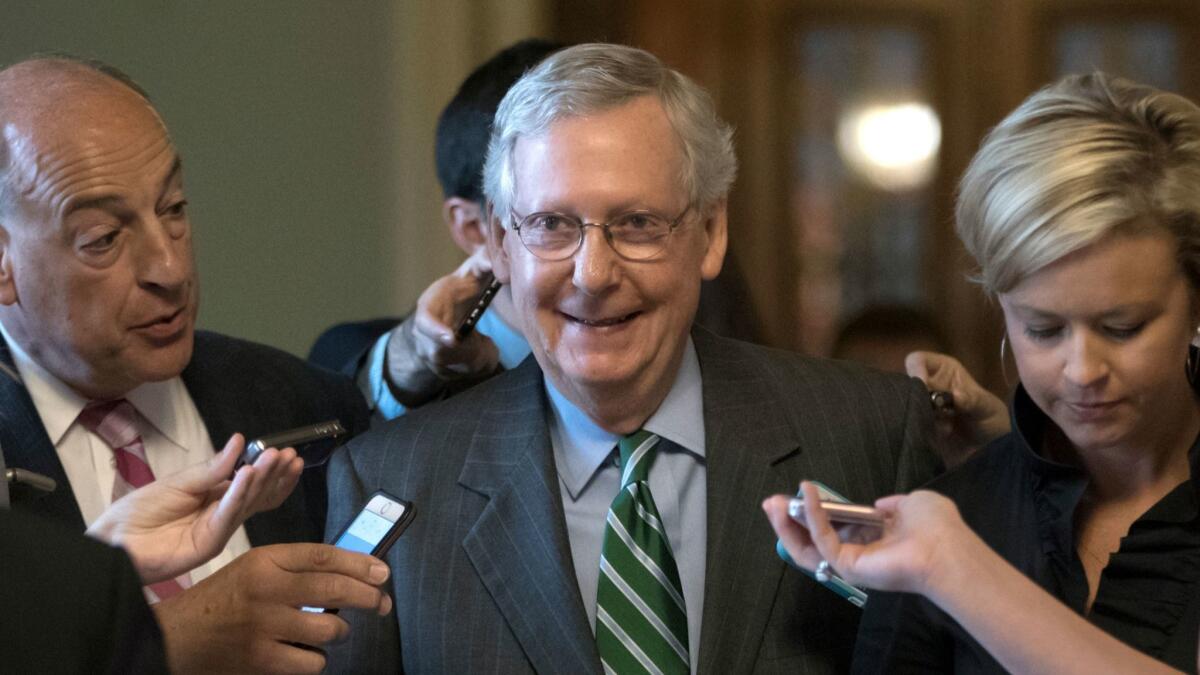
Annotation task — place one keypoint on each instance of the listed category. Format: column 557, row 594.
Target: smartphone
column 839, row 513
column 849, row 592
column 373, row 531
column 485, row 298
column 298, row 438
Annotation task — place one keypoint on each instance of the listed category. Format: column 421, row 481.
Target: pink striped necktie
column 115, row 423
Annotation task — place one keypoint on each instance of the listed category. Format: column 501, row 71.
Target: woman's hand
column 977, row 417
column 921, row 528
column 181, row 521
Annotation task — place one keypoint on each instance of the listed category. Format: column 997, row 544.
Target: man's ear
column 496, row 251
column 8, row 285
column 717, row 240
column 465, row 220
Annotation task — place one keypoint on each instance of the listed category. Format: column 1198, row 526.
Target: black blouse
column 1023, row 506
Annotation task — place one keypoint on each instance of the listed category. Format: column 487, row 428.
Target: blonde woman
column 1082, row 209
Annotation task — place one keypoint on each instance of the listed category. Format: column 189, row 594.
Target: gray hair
column 593, row 77
column 1083, row 158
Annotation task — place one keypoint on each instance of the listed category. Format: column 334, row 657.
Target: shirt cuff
column 378, row 393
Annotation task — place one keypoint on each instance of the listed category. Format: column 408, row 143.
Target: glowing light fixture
column 893, row 146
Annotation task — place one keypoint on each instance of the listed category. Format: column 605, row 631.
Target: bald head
column 97, row 278
column 46, row 97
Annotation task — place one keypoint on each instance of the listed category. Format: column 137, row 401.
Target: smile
column 600, row 323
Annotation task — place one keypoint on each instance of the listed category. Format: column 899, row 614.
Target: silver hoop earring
column 1191, row 364
column 1003, row 362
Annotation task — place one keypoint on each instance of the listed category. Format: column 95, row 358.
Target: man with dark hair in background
column 403, row 363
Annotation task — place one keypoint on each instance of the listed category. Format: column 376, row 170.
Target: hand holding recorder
column 895, row 546
column 183, row 520
column 435, row 344
column 975, row 415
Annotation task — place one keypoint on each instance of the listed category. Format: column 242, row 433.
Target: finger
column 890, row 503
column 314, row 629
column 209, row 474
column 327, row 589
column 230, row 510
column 222, row 464
column 279, row 483
column 793, row 535
column 301, row 558
column 824, row 537
column 277, row 657
column 477, row 266
column 431, row 332
column 475, row 354
column 916, row 366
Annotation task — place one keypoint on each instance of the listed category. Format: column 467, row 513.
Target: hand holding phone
column 852, row 594
column 854, row 522
column 376, row 527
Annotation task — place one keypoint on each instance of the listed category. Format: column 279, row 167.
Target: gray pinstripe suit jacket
column 483, row 580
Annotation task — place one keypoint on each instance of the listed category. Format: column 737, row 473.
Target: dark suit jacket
column 483, row 578
column 237, row 386
column 342, row 347
column 71, row 604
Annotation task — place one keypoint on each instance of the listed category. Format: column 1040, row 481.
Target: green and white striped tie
column 641, row 621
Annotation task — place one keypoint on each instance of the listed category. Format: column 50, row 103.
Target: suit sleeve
column 71, row 604
column 373, row 645
column 917, row 463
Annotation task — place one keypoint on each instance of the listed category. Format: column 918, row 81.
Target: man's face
column 599, row 325
column 97, row 281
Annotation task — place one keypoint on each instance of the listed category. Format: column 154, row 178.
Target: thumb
column 916, row 364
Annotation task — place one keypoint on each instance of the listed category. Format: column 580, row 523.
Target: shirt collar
column 511, row 343
column 581, row 446
column 59, row 405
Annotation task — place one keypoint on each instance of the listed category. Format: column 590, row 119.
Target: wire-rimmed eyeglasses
column 634, row 235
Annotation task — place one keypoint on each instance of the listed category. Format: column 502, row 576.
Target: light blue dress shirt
column 511, row 344
column 585, row 456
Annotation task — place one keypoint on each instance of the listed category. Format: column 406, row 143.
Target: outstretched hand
column 919, row 528
column 181, row 521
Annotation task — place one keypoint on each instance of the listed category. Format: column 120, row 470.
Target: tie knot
column 637, row 453
column 113, row 421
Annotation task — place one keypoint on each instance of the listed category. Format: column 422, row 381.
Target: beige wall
column 306, row 130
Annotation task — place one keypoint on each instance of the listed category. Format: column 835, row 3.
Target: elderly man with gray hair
column 597, row 507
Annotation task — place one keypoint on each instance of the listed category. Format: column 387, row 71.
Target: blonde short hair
column 1085, row 157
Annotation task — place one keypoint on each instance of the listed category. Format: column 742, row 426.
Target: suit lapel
column 25, row 445
column 519, row 545
column 230, row 400
column 748, row 442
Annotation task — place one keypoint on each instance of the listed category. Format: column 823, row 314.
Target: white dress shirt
column 172, row 432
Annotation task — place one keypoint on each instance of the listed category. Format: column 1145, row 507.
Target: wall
column 306, row 130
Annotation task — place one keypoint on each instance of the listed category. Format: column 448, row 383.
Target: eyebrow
column 109, row 201
column 1038, row 313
